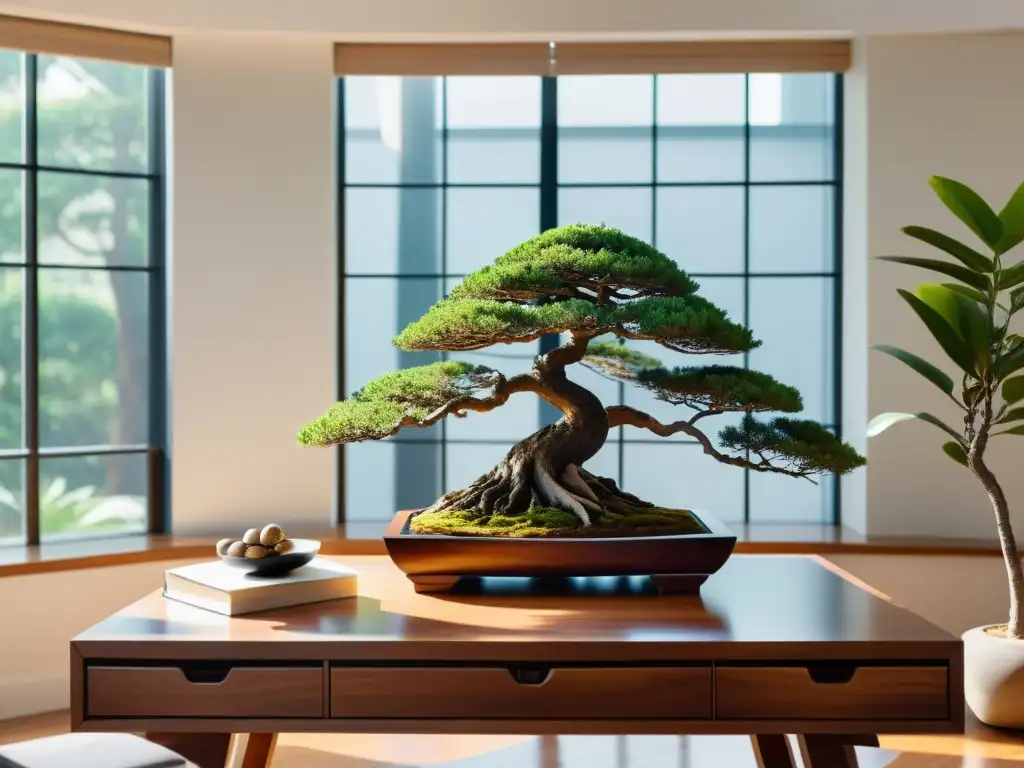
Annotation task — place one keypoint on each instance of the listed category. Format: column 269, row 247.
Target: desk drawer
column 480, row 693
column 831, row 692
column 242, row 691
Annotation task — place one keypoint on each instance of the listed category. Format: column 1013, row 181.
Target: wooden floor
column 981, row 748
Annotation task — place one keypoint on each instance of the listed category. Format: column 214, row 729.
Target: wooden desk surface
column 756, row 607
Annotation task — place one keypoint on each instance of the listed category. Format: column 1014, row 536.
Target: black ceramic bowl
column 275, row 565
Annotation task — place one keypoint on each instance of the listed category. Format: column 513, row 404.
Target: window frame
column 154, row 175
column 549, row 187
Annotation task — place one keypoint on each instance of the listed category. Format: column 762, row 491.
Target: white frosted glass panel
column 792, row 153
column 682, row 477
column 627, row 209
column 793, row 141
column 597, row 144
column 701, row 153
column 701, row 99
column 375, row 488
column 485, row 223
column 794, row 317
column 791, row 229
column 465, row 462
column 781, row 499
column 701, row 228
column 517, row 418
column 493, row 129
column 388, row 231
column 392, row 130
column 600, row 156
column 606, row 100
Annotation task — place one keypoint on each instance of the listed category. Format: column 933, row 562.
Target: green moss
column 550, row 522
column 805, row 445
column 576, row 254
column 685, row 323
column 375, row 410
column 723, row 386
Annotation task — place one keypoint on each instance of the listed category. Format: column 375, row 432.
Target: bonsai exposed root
column 522, row 481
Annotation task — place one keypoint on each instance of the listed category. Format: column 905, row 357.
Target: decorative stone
column 282, row 547
column 252, row 536
column 222, row 546
column 271, row 535
column 256, row 552
column 237, row 549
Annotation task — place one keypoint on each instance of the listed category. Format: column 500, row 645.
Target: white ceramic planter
column 994, row 678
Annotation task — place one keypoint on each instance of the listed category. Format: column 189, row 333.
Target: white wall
column 253, row 274
column 536, row 19
column 919, row 106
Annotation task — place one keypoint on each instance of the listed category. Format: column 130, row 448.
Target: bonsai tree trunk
column 976, row 463
column 545, row 468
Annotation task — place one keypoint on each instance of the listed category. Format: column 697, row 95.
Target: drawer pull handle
column 831, row 673
column 206, row 675
column 530, row 675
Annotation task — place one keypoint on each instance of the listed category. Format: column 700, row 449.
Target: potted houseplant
column 970, row 319
column 597, row 287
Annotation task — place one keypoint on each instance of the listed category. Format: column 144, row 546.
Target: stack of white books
column 232, row 591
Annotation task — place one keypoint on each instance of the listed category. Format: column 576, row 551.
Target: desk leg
column 772, row 751
column 259, row 750
column 828, row 751
column 212, row 750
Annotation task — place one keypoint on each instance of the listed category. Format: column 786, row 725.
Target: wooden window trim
column 699, row 56
column 705, row 56
column 428, row 59
column 61, row 39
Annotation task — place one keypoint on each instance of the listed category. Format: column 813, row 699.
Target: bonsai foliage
column 970, row 319
column 598, row 287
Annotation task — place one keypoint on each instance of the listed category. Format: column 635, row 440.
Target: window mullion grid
column 30, row 318
column 157, row 458
column 341, row 265
column 837, row 281
column 443, row 447
column 746, row 259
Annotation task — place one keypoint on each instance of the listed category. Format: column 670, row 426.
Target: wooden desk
column 774, row 645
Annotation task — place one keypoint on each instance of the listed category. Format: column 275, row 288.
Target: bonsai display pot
column 675, row 563
column 994, row 678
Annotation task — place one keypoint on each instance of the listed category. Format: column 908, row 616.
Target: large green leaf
column 965, row 315
column 962, row 274
column 948, row 338
column 1012, row 218
column 967, row 205
column 1011, row 276
column 1008, row 363
column 1016, row 299
column 926, row 369
column 1018, row 430
column 965, row 290
column 955, row 451
column 964, row 253
column 1014, row 414
column 1013, row 389
column 883, row 421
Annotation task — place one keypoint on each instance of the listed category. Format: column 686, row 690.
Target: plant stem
column 1011, row 557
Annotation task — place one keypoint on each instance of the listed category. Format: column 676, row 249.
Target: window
column 81, row 293
column 734, row 176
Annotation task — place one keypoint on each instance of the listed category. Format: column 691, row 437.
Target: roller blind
column 57, row 38
column 592, row 58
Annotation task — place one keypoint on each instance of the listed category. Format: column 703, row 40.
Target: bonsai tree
column 591, row 283
column 970, row 319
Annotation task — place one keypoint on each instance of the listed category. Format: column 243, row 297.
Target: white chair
column 90, row 750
